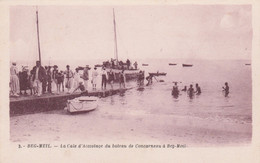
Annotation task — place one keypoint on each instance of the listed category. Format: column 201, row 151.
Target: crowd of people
column 197, row 91
column 40, row 79
column 121, row 65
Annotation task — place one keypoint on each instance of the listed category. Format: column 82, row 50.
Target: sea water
column 209, row 116
column 210, row 104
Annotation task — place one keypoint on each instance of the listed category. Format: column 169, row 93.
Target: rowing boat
column 82, row 104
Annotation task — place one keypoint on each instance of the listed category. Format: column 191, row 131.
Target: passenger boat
column 81, row 104
column 187, row 65
column 172, row 64
column 130, row 73
column 98, row 65
column 145, row 64
column 158, row 73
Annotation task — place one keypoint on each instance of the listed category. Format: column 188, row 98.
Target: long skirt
column 69, row 82
column 94, row 80
column 14, row 84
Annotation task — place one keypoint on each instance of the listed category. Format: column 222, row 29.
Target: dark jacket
column 41, row 73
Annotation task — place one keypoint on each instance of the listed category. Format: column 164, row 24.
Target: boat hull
column 82, row 104
column 129, row 74
column 158, row 74
column 186, row 65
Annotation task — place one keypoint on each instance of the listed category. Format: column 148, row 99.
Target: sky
column 177, row 31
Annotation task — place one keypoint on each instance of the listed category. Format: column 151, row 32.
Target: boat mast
column 37, row 22
column 116, row 53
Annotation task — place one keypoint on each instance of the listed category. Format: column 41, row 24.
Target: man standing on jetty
column 38, row 77
column 85, row 77
column 69, row 78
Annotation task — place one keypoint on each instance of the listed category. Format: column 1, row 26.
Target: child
column 122, row 79
column 111, row 78
column 60, row 79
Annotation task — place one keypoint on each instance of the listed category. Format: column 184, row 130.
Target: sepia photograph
column 129, row 82
column 131, row 73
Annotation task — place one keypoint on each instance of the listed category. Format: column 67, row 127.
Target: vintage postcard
column 128, row 82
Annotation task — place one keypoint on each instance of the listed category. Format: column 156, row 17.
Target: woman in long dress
column 94, row 78
column 76, row 78
column 14, row 80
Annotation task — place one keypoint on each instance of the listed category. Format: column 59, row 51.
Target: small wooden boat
column 82, row 104
column 187, row 65
column 158, row 74
column 145, row 64
column 98, row 65
column 172, row 64
column 247, row 64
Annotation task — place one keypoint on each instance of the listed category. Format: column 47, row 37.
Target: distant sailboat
column 187, row 65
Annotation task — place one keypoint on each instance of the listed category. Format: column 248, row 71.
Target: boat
column 248, row 64
column 98, row 65
column 172, row 64
column 187, row 65
column 81, row 104
column 145, row 64
column 131, row 73
column 158, row 73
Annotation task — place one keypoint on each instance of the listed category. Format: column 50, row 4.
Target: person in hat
column 14, row 80
column 24, row 80
column 38, row 77
column 55, row 71
column 60, row 80
column 94, row 78
column 104, row 78
column 69, row 78
column 31, row 84
column 49, row 79
column 85, row 76
column 76, row 78
column 44, row 82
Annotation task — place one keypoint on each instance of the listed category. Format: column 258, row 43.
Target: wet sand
column 108, row 125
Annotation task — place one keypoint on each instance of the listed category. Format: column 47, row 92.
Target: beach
column 109, row 125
